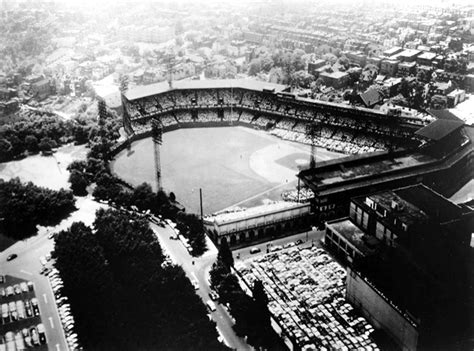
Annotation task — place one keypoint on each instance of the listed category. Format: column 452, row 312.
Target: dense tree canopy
column 122, row 295
column 23, row 206
column 251, row 314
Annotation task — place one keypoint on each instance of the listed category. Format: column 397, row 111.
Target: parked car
column 9, row 290
column 27, row 337
column 20, row 344
column 17, row 289
column 41, row 333
column 34, row 335
column 2, row 279
column 52, row 235
column 31, row 286
column 20, row 307
column 28, row 309
column 298, row 242
column 24, row 287
column 12, row 257
column 34, row 304
column 213, row 295
column 3, row 293
column 195, row 284
column 255, row 250
column 210, row 305
column 5, row 311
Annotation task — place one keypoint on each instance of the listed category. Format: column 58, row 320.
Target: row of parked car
column 19, row 309
column 64, row 309
column 16, row 289
column 23, row 339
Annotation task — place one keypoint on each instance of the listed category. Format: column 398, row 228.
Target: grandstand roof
column 362, row 171
column 443, row 114
column 439, row 129
column 257, row 211
column 157, row 88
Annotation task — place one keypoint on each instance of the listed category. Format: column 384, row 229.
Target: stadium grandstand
column 383, row 150
column 270, row 107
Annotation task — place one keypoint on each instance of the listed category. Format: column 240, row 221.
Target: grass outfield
column 233, row 165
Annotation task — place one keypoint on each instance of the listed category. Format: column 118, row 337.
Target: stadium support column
column 312, row 161
column 311, row 131
column 157, row 136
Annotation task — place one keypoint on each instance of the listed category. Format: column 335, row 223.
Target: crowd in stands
column 288, row 119
column 246, row 117
column 303, row 195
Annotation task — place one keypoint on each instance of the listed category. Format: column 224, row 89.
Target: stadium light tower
column 312, row 130
column 157, row 136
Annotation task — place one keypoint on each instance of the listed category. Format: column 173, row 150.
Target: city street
column 27, row 266
column 200, row 271
column 308, row 238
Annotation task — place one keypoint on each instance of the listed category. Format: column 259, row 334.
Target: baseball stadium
column 250, row 144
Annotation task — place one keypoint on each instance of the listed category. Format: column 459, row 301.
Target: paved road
column 309, row 238
column 27, row 266
column 200, row 272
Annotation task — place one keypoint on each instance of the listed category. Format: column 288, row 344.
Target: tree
column 78, row 183
column 143, row 197
column 31, row 143
column 405, row 88
column 302, row 78
column 217, row 273
column 331, row 59
column 121, row 263
column 344, row 61
column 24, row 206
column 5, row 150
column 45, row 144
column 254, row 67
column 225, row 254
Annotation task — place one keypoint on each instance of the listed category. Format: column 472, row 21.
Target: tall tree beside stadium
column 141, row 303
column 225, row 254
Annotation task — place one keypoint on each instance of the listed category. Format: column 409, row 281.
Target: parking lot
column 306, row 291
column 21, row 326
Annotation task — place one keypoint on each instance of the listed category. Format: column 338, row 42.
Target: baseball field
column 234, row 166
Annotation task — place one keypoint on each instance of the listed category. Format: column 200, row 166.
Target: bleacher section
column 286, row 118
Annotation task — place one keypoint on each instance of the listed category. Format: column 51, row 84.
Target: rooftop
column 257, row 211
column 409, row 53
column 439, row 129
column 430, row 203
column 427, row 56
column 352, row 172
column 157, row 88
column 348, row 230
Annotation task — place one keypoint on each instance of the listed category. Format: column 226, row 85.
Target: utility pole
column 157, row 136
column 200, row 202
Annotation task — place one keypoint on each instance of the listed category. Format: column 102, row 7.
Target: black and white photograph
column 237, row 175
